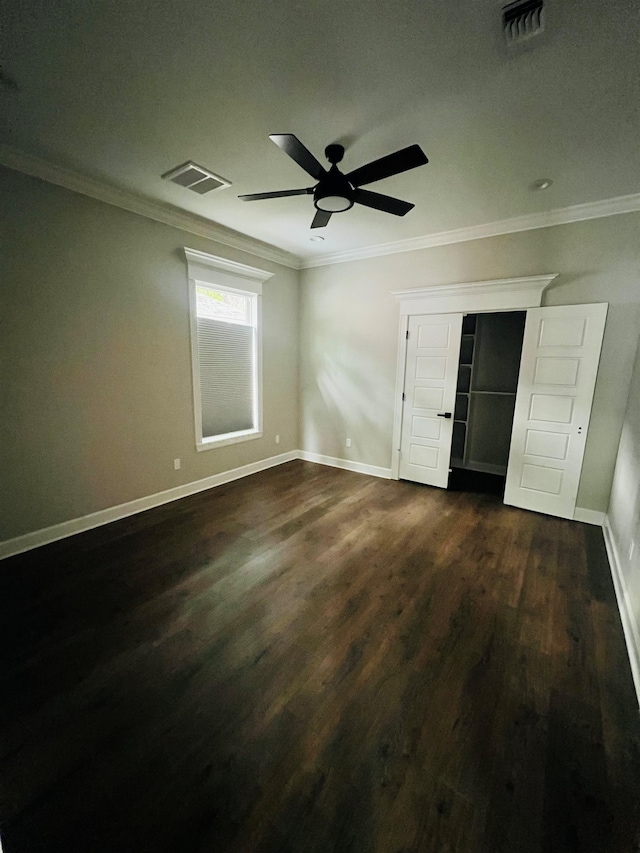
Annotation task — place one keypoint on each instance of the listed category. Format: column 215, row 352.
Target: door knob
column 444, row 414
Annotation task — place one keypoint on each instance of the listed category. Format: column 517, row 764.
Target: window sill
column 229, row 438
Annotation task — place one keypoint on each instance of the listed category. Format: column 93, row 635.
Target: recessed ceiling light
column 317, row 239
column 541, row 184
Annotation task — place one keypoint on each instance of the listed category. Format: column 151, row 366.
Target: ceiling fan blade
column 276, row 194
column 292, row 146
column 392, row 164
column 382, row 202
column 321, row 219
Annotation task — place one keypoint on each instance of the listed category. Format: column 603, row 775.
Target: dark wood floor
column 313, row 660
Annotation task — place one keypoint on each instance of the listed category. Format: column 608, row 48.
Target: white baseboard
column 589, row 516
column 11, row 547
column 629, row 626
column 346, row 464
column 19, row 544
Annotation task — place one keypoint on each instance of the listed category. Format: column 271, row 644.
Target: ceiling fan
column 336, row 192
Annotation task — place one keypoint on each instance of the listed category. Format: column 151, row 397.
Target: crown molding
column 529, row 222
column 37, row 167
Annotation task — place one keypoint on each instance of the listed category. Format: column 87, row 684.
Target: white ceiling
column 123, row 91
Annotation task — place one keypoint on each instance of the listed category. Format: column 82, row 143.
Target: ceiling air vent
column 194, row 177
column 522, row 21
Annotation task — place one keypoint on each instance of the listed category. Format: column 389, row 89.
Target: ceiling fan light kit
column 336, row 192
column 332, row 202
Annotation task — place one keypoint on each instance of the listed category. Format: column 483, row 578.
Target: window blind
column 225, row 352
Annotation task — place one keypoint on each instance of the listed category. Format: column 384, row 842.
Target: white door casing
column 431, row 372
column 560, row 356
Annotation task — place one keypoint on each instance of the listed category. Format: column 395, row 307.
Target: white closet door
column 433, row 351
column 560, row 356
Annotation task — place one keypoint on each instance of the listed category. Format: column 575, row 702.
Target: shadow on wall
column 345, row 397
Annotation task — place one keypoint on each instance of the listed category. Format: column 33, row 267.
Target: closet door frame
column 510, row 294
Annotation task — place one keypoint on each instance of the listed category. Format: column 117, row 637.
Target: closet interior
column 488, row 370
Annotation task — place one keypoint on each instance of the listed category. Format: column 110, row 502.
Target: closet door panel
column 433, row 350
column 560, row 356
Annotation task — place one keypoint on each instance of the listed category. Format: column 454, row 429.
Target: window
column 226, row 349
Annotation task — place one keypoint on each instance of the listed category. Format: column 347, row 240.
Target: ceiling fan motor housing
column 334, row 193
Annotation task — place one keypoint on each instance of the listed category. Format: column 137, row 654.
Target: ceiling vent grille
column 522, row 21
column 194, row 177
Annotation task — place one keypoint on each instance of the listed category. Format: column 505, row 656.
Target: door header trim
column 506, row 294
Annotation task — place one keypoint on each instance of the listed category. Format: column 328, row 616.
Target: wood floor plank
column 314, row 660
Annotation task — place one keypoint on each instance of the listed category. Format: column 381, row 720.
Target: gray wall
column 349, row 332
column 95, row 369
column 95, row 372
column 624, row 509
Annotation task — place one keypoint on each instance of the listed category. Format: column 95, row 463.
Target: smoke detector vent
column 194, row 177
column 522, row 21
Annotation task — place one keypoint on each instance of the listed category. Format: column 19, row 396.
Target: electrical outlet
column 277, row 439
column 176, row 464
column 348, row 442
column 632, row 548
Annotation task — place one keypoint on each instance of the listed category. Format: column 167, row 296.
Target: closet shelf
column 488, row 366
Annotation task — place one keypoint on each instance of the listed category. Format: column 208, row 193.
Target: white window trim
column 229, row 276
